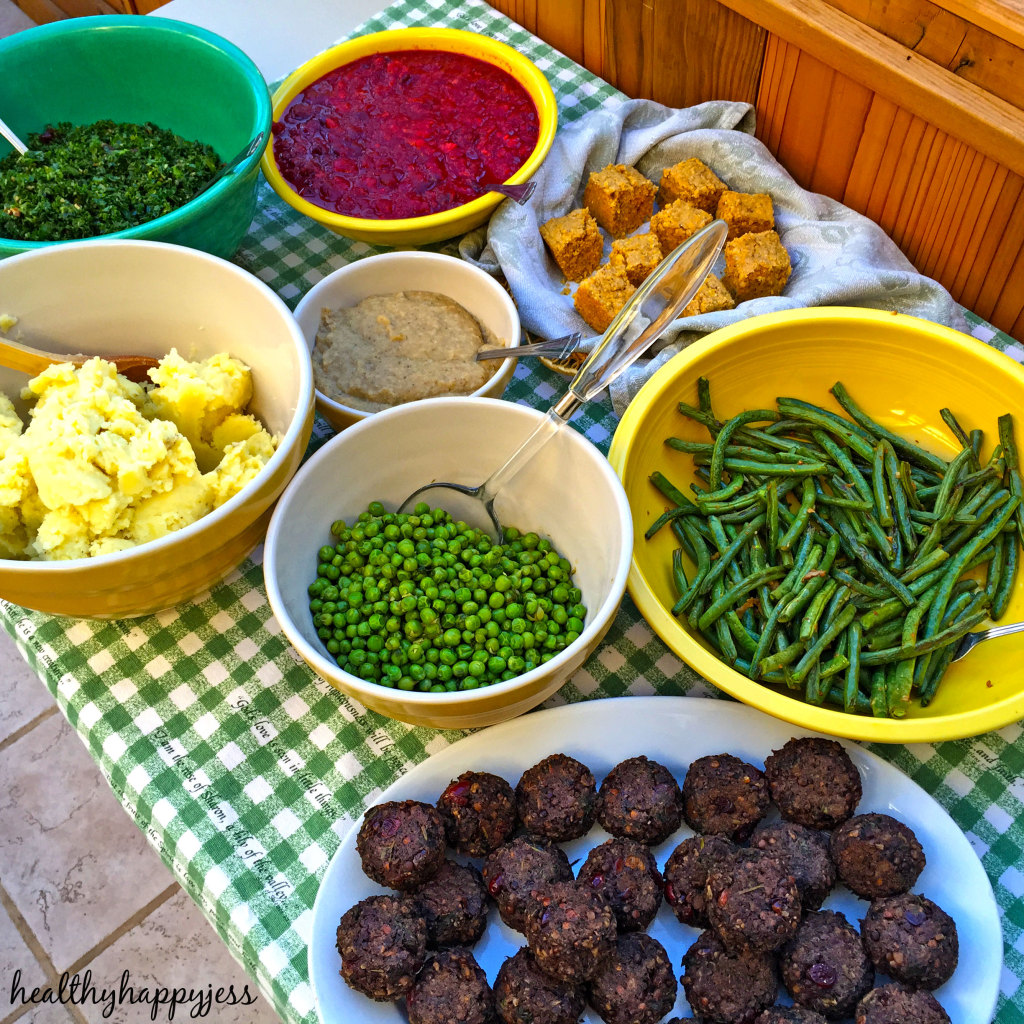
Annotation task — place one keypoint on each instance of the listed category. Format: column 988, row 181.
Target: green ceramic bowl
column 133, row 69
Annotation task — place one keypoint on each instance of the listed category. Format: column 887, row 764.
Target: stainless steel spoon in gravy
column 643, row 319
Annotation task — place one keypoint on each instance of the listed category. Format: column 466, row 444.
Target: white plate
column 674, row 731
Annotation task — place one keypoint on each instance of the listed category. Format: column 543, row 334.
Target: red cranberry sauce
column 404, row 134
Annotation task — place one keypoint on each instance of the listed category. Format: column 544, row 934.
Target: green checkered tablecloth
column 244, row 770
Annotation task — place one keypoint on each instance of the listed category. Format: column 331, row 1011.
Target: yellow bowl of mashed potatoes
column 118, row 500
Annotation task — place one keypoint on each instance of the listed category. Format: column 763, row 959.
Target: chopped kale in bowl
column 79, row 181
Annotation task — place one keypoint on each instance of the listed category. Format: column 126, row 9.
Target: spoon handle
column 27, row 359
column 649, row 311
column 13, row 139
column 659, row 299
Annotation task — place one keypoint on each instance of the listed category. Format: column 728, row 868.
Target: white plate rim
column 970, row 997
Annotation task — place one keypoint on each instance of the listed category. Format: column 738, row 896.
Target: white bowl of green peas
column 420, row 618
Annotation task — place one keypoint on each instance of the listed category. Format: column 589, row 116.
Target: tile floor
column 80, row 888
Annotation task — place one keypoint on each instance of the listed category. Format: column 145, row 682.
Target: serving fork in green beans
column 420, row 601
column 828, row 554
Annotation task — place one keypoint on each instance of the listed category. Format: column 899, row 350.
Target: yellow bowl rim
column 452, row 40
column 709, row 666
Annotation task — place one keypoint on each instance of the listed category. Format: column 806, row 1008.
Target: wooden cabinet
column 909, row 111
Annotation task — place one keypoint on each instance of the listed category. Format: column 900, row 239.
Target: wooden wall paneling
column 1006, row 231
column 982, row 43
column 903, row 144
column 777, row 79
column 847, row 113
column 990, row 124
column 630, row 47
column 969, row 258
column 805, row 117
column 702, row 51
column 1004, row 294
column 942, row 193
column 942, row 239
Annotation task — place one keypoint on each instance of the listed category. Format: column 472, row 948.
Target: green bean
column 852, row 435
column 1003, row 591
column 957, row 563
column 666, row 517
column 799, row 524
column 958, row 432
column 817, row 581
column 728, row 429
column 745, row 641
column 963, row 534
column 929, row 681
column 879, row 693
column 815, row 610
column 780, row 659
column 882, row 502
column 726, row 557
column 892, row 607
column 851, row 689
column 901, row 681
column 842, row 458
column 926, row 646
column 910, row 451
column 856, row 550
column 687, row 597
column 671, row 491
column 682, row 584
column 737, row 591
column 806, row 562
column 827, row 635
column 1012, row 458
column 977, row 438
column 900, row 498
column 771, row 510
column 949, row 482
column 704, row 396
column 837, row 697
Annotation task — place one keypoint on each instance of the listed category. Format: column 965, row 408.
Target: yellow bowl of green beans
column 825, row 502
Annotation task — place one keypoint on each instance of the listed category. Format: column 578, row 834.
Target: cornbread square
column 746, row 212
column 639, row 254
column 756, row 264
column 620, row 198
column 712, row 297
column 601, row 295
column 693, row 181
column 575, row 243
column 677, row 222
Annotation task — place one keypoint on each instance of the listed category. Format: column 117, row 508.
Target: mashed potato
column 104, row 464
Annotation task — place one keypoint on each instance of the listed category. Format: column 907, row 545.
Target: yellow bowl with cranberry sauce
column 422, row 228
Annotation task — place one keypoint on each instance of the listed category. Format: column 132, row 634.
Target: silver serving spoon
column 13, row 139
column 555, row 348
column 650, row 310
column 971, row 640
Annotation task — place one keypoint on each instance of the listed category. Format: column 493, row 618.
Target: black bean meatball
column 814, row 782
column 451, row 987
column 524, row 994
column 383, row 943
column 876, row 855
column 401, row 843
column 805, row 852
column 911, row 939
column 570, row 930
column 723, row 795
column 727, row 988
column 824, row 966
column 789, row 1015
column 626, row 874
column 640, row 799
column 895, row 1004
column 479, row 811
column 454, row 903
column 556, row 799
column 517, row 868
column 686, row 876
column 635, row 984
column 752, row 901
